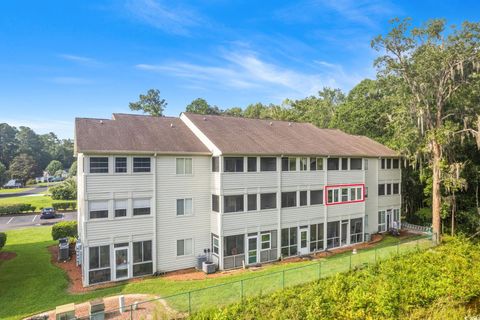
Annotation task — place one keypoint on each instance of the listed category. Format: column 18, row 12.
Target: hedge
column 64, row 229
column 17, row 208
column 3, row 239
column 64, row 205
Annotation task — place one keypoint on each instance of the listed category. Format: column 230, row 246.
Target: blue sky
column 65, row 59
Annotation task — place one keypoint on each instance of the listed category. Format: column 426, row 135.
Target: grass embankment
column 436, row 284
column 30, row 284
column 14, row 190
column 38, row 201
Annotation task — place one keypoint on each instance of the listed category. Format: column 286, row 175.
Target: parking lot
column 32, row 220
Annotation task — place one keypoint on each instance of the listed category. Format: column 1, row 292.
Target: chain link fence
column 182, row 304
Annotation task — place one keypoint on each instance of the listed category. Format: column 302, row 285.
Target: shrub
column 64, row 229
column 31, row 182
column 17, row 208
column 67, row 190
column 64, row 205
column 3, row 239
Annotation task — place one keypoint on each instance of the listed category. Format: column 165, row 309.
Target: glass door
column 303, row 243
column 252, row 249
column 121, row 263
column 389, row 219
column 344, row 233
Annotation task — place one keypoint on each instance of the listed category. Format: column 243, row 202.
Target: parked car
column 47, row 213
column 13, row 184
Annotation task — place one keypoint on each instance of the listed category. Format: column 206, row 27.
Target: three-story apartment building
column 155, row 192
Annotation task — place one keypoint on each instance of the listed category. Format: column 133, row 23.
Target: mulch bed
column 5, row 255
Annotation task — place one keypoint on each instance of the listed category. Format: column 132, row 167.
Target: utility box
column 200, row 260
column 65, row 312
column 209, row 267
column 63, row 249
column 97, row 309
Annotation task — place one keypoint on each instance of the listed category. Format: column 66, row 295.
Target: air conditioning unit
column 63, row 249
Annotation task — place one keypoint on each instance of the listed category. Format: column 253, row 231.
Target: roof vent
column 271, row 123
column 101, row 121
column 204, row 118
column 289, row 124
column 171, row 125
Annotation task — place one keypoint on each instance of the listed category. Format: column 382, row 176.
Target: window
column 215, row 164
column 120, row 208
column 395, row 164
column 289, row 199
column 142, row 258
column 120, row 165
column 381, row 221
column 98, row 209
column 359, row 193
column 383, row 163
column 366, row 164
column 389, row 189
column 184, row 247
column 233, row 203
column 141, row 164
column 316, row 164
column 303, row 198
column 396, row 188
column 333, row 164
column 184, row 207
column 231, row 164
column 316, row 197
column 184, row 166
column 333, row 234
column 252, row 202
column 303, row 164
column 268, row 201
column 252, row 164
column 289, row 242
column 356, row 230
column 344, row 163
column 265, row 241
column 141, row 207
column 333, row 195
column 215, row 204
column 268, row 164
column 355, row 163
column 381, row 189
column 99, row 264
column 366, row 192
column 353, row 194
column 316, row 237
column 396, row 216
column 215, row 244
column 344, row 194
column 389, row 163
column 99, row 165
column 234, row 245
column 289, row 164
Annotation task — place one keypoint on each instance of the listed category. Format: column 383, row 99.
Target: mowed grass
column 30, row 284
column 38, row 201
column 14, row 190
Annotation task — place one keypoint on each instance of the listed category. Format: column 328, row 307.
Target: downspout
column 155, row 213
column 279, row 206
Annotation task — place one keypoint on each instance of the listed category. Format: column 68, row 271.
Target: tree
column 22, row 167
column 150, row 103
column 201, row 106
column 434, row 66
column 53, row 167
column 72, row 172
column 8, row 143
column 235, row 112
column 3, row 174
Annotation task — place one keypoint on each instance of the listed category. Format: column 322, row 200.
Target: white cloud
column 176, row 20
column 247, row 71
column 78, row 59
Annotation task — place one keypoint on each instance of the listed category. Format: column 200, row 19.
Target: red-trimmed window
column 347, row 193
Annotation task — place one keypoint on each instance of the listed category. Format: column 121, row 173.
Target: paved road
column 23, row 193
column 32, row 220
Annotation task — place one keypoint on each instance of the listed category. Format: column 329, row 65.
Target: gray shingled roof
column 234, row 135
column 136, row 133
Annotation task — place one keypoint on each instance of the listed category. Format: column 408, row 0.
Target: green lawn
column 14, row 190
column 31, row 284
column 40, row 201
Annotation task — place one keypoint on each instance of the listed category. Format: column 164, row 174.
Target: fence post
column 319, row 270
column 189, row 302
column 283, row 279
column 398, row 247
column 350, row 262
column 241, row 288
column 131, row 312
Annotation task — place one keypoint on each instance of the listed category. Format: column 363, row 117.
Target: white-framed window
column 120, row 208
column 382, row 227
column 98, row 164
column 396, row 215
column 120, row 164
column 184, row 207
column 344, row 163
column 184, row 247
column 353, row 194
column 316, row 197
column 98, row 209
column 395, row 188
column 355, row 163
column 141, row 164
column 316, row 164
column 344, row 194
column 141, row 207
column 233, row 164
column 99, row 264
column 265, row 241
column 215, row 203
column 142, row 258
column 233, row 203
column 184, row 166
column 215, row 244
column 303, row 164
column 395, row 163
column 365, row 164
column 289, row 164
column 332, row 196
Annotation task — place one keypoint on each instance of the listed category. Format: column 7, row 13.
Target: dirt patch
column 5, row 255
column 144, row 310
